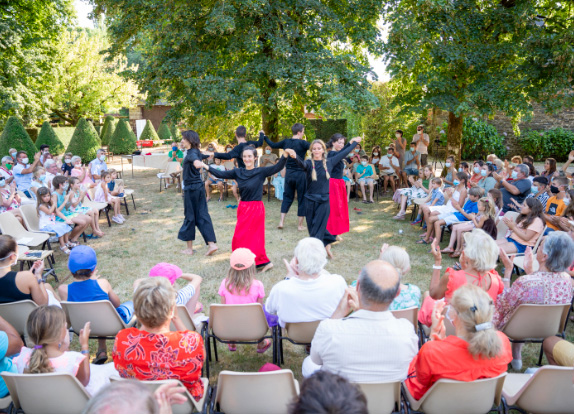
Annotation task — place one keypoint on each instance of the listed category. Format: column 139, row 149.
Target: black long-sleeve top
column 319, row 190
column 337, row 171
column 250, row 182
column 191, row 175
column 300, row 147
column 237, row 151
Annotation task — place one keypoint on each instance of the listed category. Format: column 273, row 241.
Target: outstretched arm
column 303, row 164
column 222, row 174
column 259, row 142
column 274, row 169
column 274, row 145
column 234, row 153
column 340, row 156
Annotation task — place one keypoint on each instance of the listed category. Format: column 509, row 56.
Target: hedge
column 108, row 129
column 324, row 130
column 149, row 132
column 163, row 132
column 552, row 143
column 15, row 136
column 123, row 141
column 47, row 136
column 65, row 134
column 85, row 142
column 480, row 139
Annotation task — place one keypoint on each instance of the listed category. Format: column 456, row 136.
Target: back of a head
column 311, row 255
column 559, row 248
column 475, row 310
column 45, row 326
column 241, row 131
column 379, row 284
column 327, row 393
column 154, row 300
column 481, row 249
column 296, row 128
column 398, row 257
column 128, row 396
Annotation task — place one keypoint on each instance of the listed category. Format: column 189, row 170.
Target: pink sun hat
column 170, row 271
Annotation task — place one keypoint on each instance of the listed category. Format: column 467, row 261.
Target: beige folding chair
column 455, row 397
column 185, row 317
column 105, row 322
column 382, row 397
column 548, row 391
column 16, row 314
column 173, row 167
column 300, row 333
column 411, row 315
column 254, row 392
column 124, row 199
column 94, row 205
column 241, row 324
column 534, row 323
column 518, row 260
column 6, row 405
column 10, row 225
column 30, row 215
column 190, row 406
column 501, row 227
column 51, row 393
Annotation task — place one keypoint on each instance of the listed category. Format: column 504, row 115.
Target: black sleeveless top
column 9, row 292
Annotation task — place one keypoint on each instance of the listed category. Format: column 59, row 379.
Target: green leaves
column 15, row 136
column 123, row 140
column 85, row 142
column 47, row 136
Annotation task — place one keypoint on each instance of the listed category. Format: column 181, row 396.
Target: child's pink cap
column 241, row 259
column 170, row 271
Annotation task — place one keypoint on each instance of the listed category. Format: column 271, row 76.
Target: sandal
column 454, row 255
column 101, row 357
column 232, row 347
column 423, row 241
column 265, row 348
column 65, row 249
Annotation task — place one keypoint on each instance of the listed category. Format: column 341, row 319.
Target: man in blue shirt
column 10, row 344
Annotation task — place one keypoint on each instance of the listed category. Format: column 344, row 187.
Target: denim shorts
column 412, row 171
column 520, row 248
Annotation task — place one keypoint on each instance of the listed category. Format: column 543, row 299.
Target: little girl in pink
column 240, row 286
column 103, row 195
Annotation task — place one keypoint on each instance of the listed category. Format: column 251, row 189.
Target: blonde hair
column 44, row 326
column 481, row 249
column 314, row 173
column 397, row 257
column 474, row 308
column 154, row 300
column 489, row 209
column 499, row 164
column 239, row 282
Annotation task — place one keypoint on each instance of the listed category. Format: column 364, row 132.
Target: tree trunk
column 454, row 137
column 270, row 112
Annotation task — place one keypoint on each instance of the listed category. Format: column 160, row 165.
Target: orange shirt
column 457, row 278
column 554, row 207
column 450, row 359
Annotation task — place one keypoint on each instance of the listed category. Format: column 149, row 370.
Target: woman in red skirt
column 250, row 227
column 339, row 216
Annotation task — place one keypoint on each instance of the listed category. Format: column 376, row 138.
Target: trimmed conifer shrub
column 149, row 132
column 108, row 129
column 85, row 142
column 163, row 132
column 15, row 136
column 47, row 136
column 123, row 141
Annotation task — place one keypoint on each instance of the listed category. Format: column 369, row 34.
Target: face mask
column 46, row 151
column 174, row 148
column 364, row 163
column 13, row 154
column 8, row 167
column 534, row 189
column 229, row 149
column 376, row 154
column 456, row 182
column 42, row 178
column 25, row 160
column 554, row 189
column 68, row 161
column 102, row 158
column 356, row 149
column 567, row 201
column 460, row 169
column 390, row 155
column 66, row 185
column 489, row 162
column 210, row 148
column 447, row 164
column 514, row 175
column 267, row 152
column 483, row 173
column 476, row 170
column 78, row 165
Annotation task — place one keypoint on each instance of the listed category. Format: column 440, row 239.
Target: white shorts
column 451, row 219
column 365, row 180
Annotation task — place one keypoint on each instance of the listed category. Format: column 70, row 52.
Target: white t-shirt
column 421, row 147
column 385, row 166
column 23, row 181
column 5, row 173
column 295, row 300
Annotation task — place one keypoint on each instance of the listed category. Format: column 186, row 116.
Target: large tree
column 29, row 32
column 480, row 57
column 213, row 56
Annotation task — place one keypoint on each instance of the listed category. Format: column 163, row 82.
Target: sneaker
column 531, row 370
column 118, row 220
column 516, row 364
column 414, row 223
column 121, row 216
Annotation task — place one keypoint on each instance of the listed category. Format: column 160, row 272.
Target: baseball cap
column 241, row 259
column 541, row 180
column 82, row 258
column 170, row 271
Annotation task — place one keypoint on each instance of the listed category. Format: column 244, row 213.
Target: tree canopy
column 214, row 57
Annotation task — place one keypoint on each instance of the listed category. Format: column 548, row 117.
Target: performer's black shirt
column 300, row 147
column 250, row 182
column 237, row 151
column 319, row 190
column 337, row 171
column 191, row 175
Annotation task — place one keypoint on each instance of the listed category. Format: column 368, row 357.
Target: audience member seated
column 370, row 345
column 45, row 154
column 435, row 198
column 38, row 180
column 568, row 213
column 366, row 175
column 88, row 286
column 77, row 197
column 115, row 185
column 450, row 168
column 476, row 351
column 559, row 351
column 83, row 173
column 555, row 206
column 52, row 171
column 375, row 158
column 517, row 190
column 240, row 286
column 456, row 193
column 47, row 211
column 411, row 162
column 10, row 200
column 211, row 180
column 420, row 188
column 48, row 330
column 154, row 352
column 309, row 293
column 549, row 170
column 278, row 183
column 389, row 169
column 525, row 230
column 548, row 286
column 10, row 344
column 476, row 175
column 496, row 197
column 23, row 171
column 24, row 285
column 6, row 169
column 98, row 165
column 102, row 195
column 477, row 262
column 539, row 190
column 327, row 393
column 67, row 165
column 487, row 181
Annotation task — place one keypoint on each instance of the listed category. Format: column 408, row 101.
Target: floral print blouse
column 542, row 288
column 171, row 355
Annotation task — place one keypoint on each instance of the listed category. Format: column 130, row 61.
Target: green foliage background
column 148, row 132
column 15, row 136
column 123, row 141
column 108, row 129
column 47, row 136
column 553, row 143
column 480, row 139
column 85, row 141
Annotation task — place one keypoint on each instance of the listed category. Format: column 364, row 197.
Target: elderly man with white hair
column 52, row 170
column 98, row 165
column 309, row 293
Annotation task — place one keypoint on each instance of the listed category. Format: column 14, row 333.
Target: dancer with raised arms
column 317, row 171
column 339, row 206
column 250, row 227
column 242, row 143
column 294, row 175
column 194, row 202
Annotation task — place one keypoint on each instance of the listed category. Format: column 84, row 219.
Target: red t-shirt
column 450, row 359
column 172, row 355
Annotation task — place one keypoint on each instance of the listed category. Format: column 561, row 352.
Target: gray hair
column 121, row 397
column 372, row 294
column 523, row 169
column 49, row 163
column 559, row 248
column 311, row 255
column 7, row 158
column 101, row 151
column 76, row 158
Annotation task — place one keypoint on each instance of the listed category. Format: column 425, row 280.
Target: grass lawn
column 149, row 236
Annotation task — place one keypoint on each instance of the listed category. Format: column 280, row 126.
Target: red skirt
column 339, row 216
column 250, row 230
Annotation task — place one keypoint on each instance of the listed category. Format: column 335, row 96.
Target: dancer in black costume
column 237, row 151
